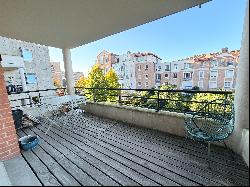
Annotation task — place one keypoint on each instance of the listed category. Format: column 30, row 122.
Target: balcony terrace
column 89, row 150
column 134, row 146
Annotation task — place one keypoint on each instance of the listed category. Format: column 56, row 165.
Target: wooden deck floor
column 96, row 151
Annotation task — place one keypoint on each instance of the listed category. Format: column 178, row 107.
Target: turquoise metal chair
column 214, row 121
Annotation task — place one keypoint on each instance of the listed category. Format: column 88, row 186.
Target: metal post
column 158, row 101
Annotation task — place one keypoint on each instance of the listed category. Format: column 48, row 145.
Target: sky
column 217, row 24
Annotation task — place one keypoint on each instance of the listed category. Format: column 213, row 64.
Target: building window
column 202, row 64
column 27, row 55
column 212, row 84
column 230, row 63
column 139, row 67
column 139, row 76
column 167, row 68
column 213, row 74
column 176, row 66
column 214, row 64
column 146, row 84
column 201, row 75
column 227, row 84
column 175, row 75
column 229, row 73
column 187, row 65
column 187, row 76
column 139, row 83
column 31, row 78
column 159, row 68
column 146, row 67
column 158, row 76
column 166, row 75
column 146, row 76
column 200, row 84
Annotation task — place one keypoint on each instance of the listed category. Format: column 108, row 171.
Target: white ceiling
column 71, row 23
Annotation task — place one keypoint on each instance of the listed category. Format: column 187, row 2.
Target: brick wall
column 8, row 138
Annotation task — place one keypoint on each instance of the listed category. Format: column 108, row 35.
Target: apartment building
column 207, row 71
column 76, row 75
column 105, row 60
column 26, row 67
column 135, row 70
column 56, row 73
column 145, row 69
column 211, row 71
column 125, row 69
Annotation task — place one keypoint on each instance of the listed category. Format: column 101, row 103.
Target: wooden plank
column 69, row 166
column 220, row 178
column 111, row 172
column 123, row 160
column 200, row 168
column 169, row 166
column 63, row 176
column 136, row 176
column 182, row 154
column 184, row 144
column 41, row 171
column 227, row 167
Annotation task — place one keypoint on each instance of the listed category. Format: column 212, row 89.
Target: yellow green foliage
column 112, row 80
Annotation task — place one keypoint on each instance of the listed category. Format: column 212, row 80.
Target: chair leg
column 231, row 151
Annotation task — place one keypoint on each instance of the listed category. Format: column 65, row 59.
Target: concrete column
column 68, row 71
column 241, row 101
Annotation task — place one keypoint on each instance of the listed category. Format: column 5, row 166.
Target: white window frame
column 228, row 71
column 139, row 68
column 214, row 64
column 203, row 75
column 146, row 76
column 139, row 76
column 157, row 76
column 187, row 65
column 213, row 82
column 167, row 69
column 175, row 66
column 214, row 77
column 227, row 82
column 139, row 83
column 184, row 73
column 176, row 75
column 159, row 68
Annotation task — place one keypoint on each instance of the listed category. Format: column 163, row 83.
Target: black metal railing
column 183, row 101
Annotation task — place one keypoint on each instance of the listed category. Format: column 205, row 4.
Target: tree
column 112, row 81
column 199, row 100
column 96, row 79
column 81, row 84
column 57, row 84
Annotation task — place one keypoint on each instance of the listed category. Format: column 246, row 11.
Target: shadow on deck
column 88, row 150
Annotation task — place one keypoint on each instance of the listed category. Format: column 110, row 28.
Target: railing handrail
column 175, row 91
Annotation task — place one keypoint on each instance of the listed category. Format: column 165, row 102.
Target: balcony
column 89, row 150
column 126, row 149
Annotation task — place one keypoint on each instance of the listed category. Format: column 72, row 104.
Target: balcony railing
column 183, row 101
